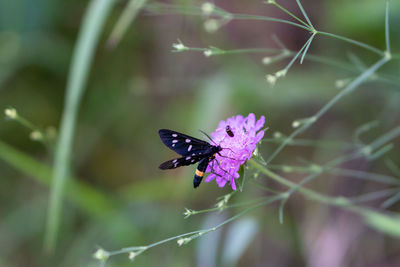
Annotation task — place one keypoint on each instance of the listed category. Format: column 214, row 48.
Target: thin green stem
column 128, row 15
column 195, row 234
column 394, row 133
column 389, row 202
column 314, row 143
column 308, row 193
column 305, row 14
column 246, row 203
column 387, row 28
column 358, row 153
column 360, row 44
column 290, row 14
column 348, row 89
column 279, row 42
column 263, row 18
column 306, row 49
column 374, row 195
column 376, row 177
column 297, row 55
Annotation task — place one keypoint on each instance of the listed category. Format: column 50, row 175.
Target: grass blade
column 128, row 15
column 83, row 54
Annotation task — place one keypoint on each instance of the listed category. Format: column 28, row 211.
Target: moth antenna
column 208, row 137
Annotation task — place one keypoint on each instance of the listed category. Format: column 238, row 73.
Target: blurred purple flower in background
column 236, row 149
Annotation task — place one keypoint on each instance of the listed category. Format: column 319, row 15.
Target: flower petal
column 251, row 119
column 259, row 136
column 233, row 184
column 260, row 123
column 210, row 177
column 221, row 181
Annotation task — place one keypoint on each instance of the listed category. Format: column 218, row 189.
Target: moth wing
column 183, row 144
column 176, row 163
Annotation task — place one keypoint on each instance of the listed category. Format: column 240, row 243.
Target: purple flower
column 235, row 150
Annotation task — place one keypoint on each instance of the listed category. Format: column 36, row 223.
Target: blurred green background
column 140, row 86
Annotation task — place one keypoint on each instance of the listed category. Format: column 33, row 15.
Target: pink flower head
column 236, row 149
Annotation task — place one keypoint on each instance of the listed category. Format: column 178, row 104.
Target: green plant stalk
column 196, row 234
column 305, row 14
column 360, row 44
column 290, row 14
column 308, row 193
column 298, row 53
column 180, row 9
column 81, row 194
column 387, row 38
column 264, row 18
column 314, row 143
column 128, row 15
column 348, row 89
column 389, row 202
column 93, row 22
column 365, row 151
column 306, row 49
column 339, row 171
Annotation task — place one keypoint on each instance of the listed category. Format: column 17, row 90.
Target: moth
column 191, row 149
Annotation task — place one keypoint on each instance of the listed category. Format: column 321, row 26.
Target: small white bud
column 277, row 135
column 188, row 213
column 271, row 2
column 315, row 168
column 36, row 135
column 220, row 205
column 266, row 60
column 179, row 47
column 211, row 25
column 132, row 255
column 183, row 241
column 281, row 73
column 287, row 169
column 207, row 8
column 387, row 55
column 101, row 255
column 367, row 150
column 208, row 53
column 11, row 113
column 271, row 79
column 295, row 124
column 340, row 83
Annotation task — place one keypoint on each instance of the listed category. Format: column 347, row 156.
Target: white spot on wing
column 174, row 141
column 187, row 158
column 174, row 135
column 173, row 145
column 175, row 160
column 190, row 148
column 192, row 160
column 187, row 140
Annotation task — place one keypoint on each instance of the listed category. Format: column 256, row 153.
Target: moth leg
column 212, row 169
column 227, row 156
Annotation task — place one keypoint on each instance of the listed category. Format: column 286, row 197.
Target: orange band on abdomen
column 199, row 173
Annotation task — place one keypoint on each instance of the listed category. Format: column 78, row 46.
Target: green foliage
column 342, row 99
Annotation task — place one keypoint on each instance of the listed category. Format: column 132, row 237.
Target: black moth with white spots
column 191, row 149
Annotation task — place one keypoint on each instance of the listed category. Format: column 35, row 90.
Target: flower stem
column 290, row 14
column 363, row 45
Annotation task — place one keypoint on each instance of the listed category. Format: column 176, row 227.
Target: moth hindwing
column 191, row 149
